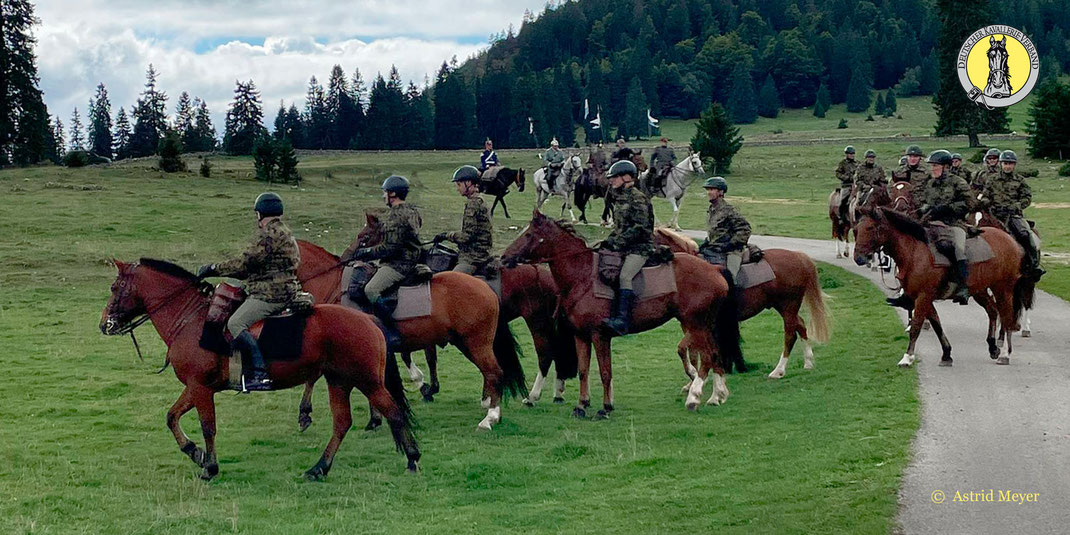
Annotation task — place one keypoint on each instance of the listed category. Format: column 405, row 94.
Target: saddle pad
column 281, row 337
column 977, row 251
column 413, row 302
column 751, row 275
column 491, row 173
column 651, row 282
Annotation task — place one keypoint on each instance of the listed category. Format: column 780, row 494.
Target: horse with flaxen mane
column 341, row 344
column 796, row 281
column 995, row 284
column 498, row 185
column 704, row 303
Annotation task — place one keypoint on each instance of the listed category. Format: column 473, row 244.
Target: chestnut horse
column 341, row 344
column 704, row 303
column 996, row 284
column 796, row 280
column 464, row 312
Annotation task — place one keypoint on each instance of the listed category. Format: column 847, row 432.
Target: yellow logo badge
column 998, row 66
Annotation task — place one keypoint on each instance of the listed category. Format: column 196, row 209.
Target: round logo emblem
column 998, row 66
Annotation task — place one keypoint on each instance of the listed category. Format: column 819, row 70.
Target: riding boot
column 383, row 308
column 1033, row 270
column 258, row 379
column 621, row 321
column 901, row 300
column 961, row 274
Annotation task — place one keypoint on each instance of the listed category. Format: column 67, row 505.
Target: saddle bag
column 441, row 258
column 752, row 254
column 609, row 266
column 225, row 300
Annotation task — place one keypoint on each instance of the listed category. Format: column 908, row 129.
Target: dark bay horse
column 595, row 186
column 498, row 186
column 996, row 284
column 704, row 303
column 796, row 281
column 341, row 344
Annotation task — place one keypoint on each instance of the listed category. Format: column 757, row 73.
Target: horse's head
column 125, row 303
column 870, row 233
column 693, row 163
column 536, row 243
column 997, row 54
column 575, row 162
column 372, row 233
column 520, row 180
column 901, row 196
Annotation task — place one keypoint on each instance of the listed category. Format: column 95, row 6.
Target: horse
column 996, row 284
column 796, row 280
column 464, row 312
column 498, row 185
column 704, row 303
column 563, row 185
column 841, row 228
column 999, row 75
column 597, row 187
column 341, row 344
column 676, row 183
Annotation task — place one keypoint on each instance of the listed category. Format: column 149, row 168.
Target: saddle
column 753, row 270
column 657, row 278
column 410, row 299
column 942, row 247
column 440, row 257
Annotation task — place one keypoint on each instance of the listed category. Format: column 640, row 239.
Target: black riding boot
column 961, row 273
column 383, row 308
column 257, row 379
column 901, row 300
column 1033, row 270
column 621, row 321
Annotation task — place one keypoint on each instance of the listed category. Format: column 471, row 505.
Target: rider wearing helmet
column 912, row 171
column 990, row 170
column 958, row 169
column 475, row 238
column 845, row 172
column 1006, row 197
column 944, row 201
column 398, row 253
column 869, row 174
column 632, row 237
column 727, row 232
column 269, row 268
column 555, row 160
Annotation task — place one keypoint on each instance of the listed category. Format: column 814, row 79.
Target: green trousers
column 633, row 263
column 383, row 281
column 250, row 312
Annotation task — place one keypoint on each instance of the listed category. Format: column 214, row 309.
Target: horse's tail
column 726, row 328
column 815, row 300
column 563, row 344
column 396, row 388
column 507, row 352
column 1024, row 292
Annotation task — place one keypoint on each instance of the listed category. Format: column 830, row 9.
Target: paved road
column 984, row 427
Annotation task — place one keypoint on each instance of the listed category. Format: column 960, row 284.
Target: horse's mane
column 169, row 268
column 905, row 223
column 570, row 230
column 316, row 248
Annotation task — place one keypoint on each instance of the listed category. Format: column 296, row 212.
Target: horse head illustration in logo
column 999, row 76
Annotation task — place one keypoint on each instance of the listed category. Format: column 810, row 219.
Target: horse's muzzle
column 861, row 260
column 110, row 326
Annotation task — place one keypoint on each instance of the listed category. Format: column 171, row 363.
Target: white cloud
column 203, row 46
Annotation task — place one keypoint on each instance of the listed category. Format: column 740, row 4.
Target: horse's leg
column 792, row 328
column 685, row 359
column 504, row 208
column 497, row 199
column 675, row 224
column 986, row 301
column 922, row 309
column 399, row 424
column 945, row 345
column 341, row 412
column 543, row 349
column 203, row 399
column 607, row 211
column 1005, row 303
column 304, row 411
column 181, row 406
column 416, row 375
column 583, row 356
column 429, row 390
column 481, row 354
column 604, row 353
column 1027, row 326
column 701, row 345
column 374, row 418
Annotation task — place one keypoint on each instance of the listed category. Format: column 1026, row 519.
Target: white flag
column 531, row 127
column 596, row 123
column 650, row 118
column 586, row 109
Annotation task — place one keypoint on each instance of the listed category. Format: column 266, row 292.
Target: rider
column 623, row 152
column 868, row 174
column 596, row 162
column 269, row 268
column 727, row 232
column 489, row 158
column 958, row 169
column 555, row 160
column 662, row 161
column 475, row 239
column 1006, row 197
column 845, row 172
column 912, row 171
column 990, row 170
column 944, row 198
column 632, row 236
column 398, row 254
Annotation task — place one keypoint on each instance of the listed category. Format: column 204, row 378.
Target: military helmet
column 465, row 172
column 1008, row 156
column 941, row 157
column 902, row 160
column 849, row 150
column 871, row 154
column 915, row 150
column 396, row 184
column 716, row 182
column 623, row 167
column 268, row 204
column 992, row 152
column 956, row 156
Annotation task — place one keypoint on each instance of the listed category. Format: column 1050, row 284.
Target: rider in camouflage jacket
column 1006, row 197
column 475, row 238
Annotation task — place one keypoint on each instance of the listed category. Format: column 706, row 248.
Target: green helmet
column 398, row 185
column 716, row 182
column 465, row 173
column 956, row 156
column 1008, row 156
column 993, row 152
column 941, row 157
column 871, row 154
column 849, row 150
column 914, row 150
column 623, row 167
column 268, row 204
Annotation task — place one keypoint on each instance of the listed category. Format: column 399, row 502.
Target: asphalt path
column 993, row 451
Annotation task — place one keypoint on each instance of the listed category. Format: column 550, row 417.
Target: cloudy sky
column 203, row 46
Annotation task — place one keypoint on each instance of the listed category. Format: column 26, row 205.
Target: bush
column 76, row 158
column 869, row 117
column 1029, row 173
column 978, row 156
column 170, row 150
column 275, row 160
column 843, row 123
column 206, row 167
column 1065, row 169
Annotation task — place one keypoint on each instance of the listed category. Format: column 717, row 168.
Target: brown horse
column 464, row 312
column 841, row 229
column 996, row 284
column 597, row 187
column 341, row 344
column 704, row 303
column 796, row 280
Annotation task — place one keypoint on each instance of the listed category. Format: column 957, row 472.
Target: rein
column 185, row 317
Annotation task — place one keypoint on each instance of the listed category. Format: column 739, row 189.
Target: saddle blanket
column 651, row 282
column 977, row 251
column 280, row 339
column 413, row 301
column 754, row 274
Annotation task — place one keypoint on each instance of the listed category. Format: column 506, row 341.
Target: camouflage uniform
column 980, row 178
column 962, row 171
column 475, row 238
column 845, row 172
column 727, row 233
column 1006, row 196
column 633, row 233
column 869, row 176
column 946, row 199
column 398, row 253
column 916, row 175
column 269, row 268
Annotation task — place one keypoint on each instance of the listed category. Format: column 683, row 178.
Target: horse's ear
column 370, row 218
column 119, row 265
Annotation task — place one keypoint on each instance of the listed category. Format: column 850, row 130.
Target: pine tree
column 100, row 139
column 819, row 110
column 265, row 158
column 879, row 107
column 419, row 119
column 635, row 109
column 890, row 105
column 26, row 136
column 150, row 118
column 316, row 118
column 768, row 99
column 245, row 120
column 1049, row 127
column 58, row 139
column 77, row 137
column 205, row 137
column 929, row 79
column 742, row 101
column 184, row 117
column 122, row 135
column 286, row 162
column 859, row 92
column 455, row 107
column 824, row 97
column 716, row 138
column 170, row 152
column 955, row 113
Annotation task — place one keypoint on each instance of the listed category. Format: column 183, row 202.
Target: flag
column 650, row 119
column 586, row 109
column 531, row 127
column 596, row 123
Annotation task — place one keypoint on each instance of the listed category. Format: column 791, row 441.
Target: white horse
column 563, row 185
column 676, row 183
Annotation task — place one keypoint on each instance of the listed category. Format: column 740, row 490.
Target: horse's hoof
column 528, row 403
column 776, row 374
column 1027, row 333
column 559, row 400
column 808, row 365
column 945, row 363
column 427, row 392
column 373, row 424
column 303, row 422
column 1003, row 361
column 578, row 412
column 602, row 414
column 413, row 467
column 315, row 474
column 994, row 354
